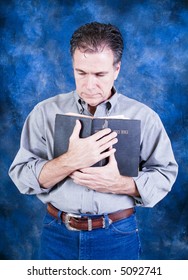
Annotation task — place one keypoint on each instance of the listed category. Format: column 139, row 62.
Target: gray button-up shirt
column 158, row 168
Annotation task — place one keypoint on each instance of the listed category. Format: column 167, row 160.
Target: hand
column 106, row 179
column 84, row 152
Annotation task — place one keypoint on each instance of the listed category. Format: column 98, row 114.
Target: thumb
column 76, row 130
column 112, row 156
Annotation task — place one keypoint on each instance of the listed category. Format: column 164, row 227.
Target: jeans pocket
column 49, row 220
column 126, row 226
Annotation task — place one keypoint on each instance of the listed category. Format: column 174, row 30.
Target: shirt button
column 88, row 190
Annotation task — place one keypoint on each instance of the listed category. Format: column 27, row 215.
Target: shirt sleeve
column 158, row 167
column 32, row 155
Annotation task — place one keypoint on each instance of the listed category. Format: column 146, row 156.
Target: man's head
column 96, row 51
column 93, row 37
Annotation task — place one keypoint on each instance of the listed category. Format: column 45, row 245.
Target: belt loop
column 59, row 218
column 106, row 221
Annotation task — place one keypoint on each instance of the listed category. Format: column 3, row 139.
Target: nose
column 90, row 82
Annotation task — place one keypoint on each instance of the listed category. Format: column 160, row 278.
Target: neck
column 92, row 109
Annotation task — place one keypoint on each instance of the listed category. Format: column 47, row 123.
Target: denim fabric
column 119, row 241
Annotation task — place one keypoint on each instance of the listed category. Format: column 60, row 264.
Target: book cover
column 128, row 133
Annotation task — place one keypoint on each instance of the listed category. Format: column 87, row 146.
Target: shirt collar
column 113, row 99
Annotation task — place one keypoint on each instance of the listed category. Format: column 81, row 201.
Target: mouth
column 91, row 95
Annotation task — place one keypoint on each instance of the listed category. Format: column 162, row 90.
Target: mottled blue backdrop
column 35, row 64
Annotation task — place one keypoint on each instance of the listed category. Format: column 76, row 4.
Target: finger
column 101, row 133
column 107, row 138
column 76, row 130
column 90, row 170
column 108, row 145
column 82, row 178
column 75, row 174
column 107, row 153
column 112, row 158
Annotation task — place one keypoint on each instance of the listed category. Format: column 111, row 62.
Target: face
column 94, row 75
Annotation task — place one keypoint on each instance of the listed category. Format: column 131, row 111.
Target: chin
column 93, row 104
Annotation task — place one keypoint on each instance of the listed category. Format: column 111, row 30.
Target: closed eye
column 81, row 73
column 97, row 74
column 101, row 74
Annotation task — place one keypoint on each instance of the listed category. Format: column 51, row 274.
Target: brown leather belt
column 81, row 222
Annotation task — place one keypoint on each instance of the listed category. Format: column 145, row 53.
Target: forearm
column 55, row 171
column 126, row 185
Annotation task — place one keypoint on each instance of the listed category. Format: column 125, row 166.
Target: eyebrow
column 96, row 73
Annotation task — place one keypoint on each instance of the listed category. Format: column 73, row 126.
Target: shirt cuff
column 141, row 183
column 39, row 167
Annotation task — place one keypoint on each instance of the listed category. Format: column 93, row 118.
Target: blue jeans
column 119, row 241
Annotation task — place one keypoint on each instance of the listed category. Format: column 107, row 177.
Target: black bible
column 128, row 133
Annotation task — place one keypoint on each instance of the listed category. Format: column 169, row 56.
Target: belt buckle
column 67, row 221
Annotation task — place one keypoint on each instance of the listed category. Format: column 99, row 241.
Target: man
column 91, row 210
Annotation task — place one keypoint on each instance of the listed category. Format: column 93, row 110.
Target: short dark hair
column 94, row 36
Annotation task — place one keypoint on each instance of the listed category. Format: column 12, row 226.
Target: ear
column 117, row 68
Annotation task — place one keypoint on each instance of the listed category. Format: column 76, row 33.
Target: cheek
column 108, row 83
column 79, row 83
